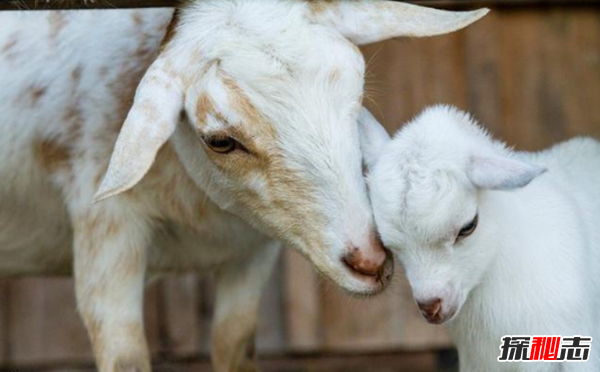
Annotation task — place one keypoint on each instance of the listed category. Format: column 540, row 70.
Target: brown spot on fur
column 241, row 104
column 204, row 106
column 137, row 18
column 76, row 75
column 74, row 116
column 36, row 94
column 57, row 22
column 52, row 155
column 9, row 50
column 9, row 45
column 319, row 6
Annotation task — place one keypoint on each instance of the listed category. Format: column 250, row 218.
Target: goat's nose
column 368, row 261
column 431, row 309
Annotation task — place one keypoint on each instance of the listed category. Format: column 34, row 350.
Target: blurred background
column 530, row 72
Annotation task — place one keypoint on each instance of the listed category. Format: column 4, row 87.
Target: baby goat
column 487, row 250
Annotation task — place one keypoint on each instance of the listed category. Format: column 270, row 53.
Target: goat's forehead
column 269, row 63
column 421, row 207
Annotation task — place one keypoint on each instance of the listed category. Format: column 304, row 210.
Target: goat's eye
column 468, row 228
column 221, row 144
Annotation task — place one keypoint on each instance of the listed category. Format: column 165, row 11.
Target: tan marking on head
column 285, row 186
column 204, row 106
column 242, row 105
column 52, row 155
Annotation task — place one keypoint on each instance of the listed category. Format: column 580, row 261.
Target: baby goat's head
column 432, row 190
column 262, row 100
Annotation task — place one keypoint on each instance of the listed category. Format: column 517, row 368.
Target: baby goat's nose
column 431, row 309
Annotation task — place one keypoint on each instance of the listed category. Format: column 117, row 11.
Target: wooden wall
column 532, row 75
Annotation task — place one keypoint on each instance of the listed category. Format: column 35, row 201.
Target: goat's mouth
column 443, row 317
column 372, row 283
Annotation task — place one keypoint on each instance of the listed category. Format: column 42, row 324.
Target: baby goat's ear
column 151, row 121
column 373, row 137
column 369, row 21
column 501, row 173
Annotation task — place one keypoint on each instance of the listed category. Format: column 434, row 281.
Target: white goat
column 486, row 249
column 243, row 129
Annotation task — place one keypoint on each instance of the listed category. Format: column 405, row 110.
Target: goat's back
column 67, row 80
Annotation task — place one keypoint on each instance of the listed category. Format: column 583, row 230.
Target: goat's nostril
column 430, row 309
column 360, row 266
column 356, row 261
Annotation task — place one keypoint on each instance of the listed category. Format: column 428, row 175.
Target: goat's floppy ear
column 369, row 21
column 373, row 137
column 501, row 173
column 151, row 121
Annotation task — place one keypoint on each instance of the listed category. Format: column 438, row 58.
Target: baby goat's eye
column 221, row 144
column 468, row 228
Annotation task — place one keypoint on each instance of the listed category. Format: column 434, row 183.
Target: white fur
column 530, row 266
column 67, row 78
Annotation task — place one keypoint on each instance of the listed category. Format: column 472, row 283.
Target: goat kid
column 491, row 242
column 242, row 130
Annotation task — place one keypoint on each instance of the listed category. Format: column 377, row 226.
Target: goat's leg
column 238, row 290
column 110, row 265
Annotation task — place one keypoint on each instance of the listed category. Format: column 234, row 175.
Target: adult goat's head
column 262, row 100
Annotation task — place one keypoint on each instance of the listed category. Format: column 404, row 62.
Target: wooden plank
column 271, row 336
column 180, row 301
column 207, row 304
column 396, row 362
column 384, row 362
column 524, row 67
column 114, row 4
column 301, row 303
column 152, row 319
column 44, row 325
column 483, row 72
column 359, row 325
column 4, row 336
column 581, row 87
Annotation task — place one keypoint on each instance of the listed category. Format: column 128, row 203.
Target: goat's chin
column 360, row 285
